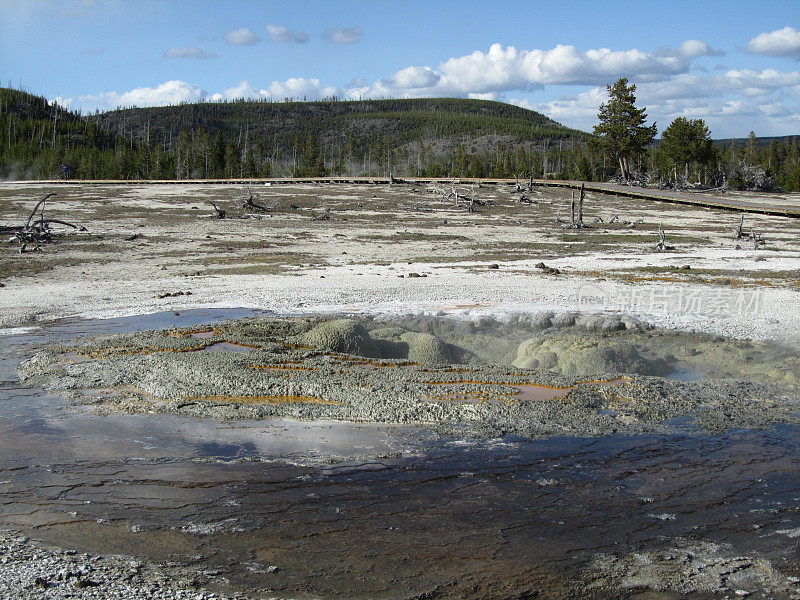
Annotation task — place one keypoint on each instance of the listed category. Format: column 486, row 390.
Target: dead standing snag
column 662, row 241
column 753, row 236
column 577, row 210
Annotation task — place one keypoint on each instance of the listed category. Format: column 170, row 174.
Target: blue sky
column 735, row 64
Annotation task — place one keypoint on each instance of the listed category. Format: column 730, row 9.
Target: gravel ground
column 29, row 570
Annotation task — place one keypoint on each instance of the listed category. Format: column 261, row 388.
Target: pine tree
column 461, row 165
column 622, row 132
column 216, row 163
column 311, row 161
column 686, row 141
column 751, row 150
column 233, row 166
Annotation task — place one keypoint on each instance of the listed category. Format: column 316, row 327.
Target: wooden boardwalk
column 769, row 206
column 706, row 200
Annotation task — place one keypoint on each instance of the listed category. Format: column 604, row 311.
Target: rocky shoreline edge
column 34, row 570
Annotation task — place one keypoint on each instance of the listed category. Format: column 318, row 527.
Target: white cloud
column 414, row 77
column 504, row 69
column 241, row 37
column 775, row 110
column 493, row 73
column 680, row 86
column 347, row 35
column 281, row 34
column 379, row 89
column 766, row 79
column 62, row 102
column 170, row 92
column 478, row 72
column 299, row 88
column 176, row 92
column 579, row 111
column 189, row 52
column 485, row 96
column 696, row 49
column 747, row 82
column 663, row 74
column 781, row 42
column 243, row 90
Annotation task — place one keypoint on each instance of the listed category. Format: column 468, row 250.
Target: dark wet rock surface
column 701, row 507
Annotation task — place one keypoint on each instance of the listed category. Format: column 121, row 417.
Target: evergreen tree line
column 427, row 138
column 748, row 165
column 686, row 155
column 37, row 139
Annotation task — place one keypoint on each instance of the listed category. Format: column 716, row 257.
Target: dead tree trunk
column 577, row 209
column 737, row 233
column 249, row 205
column 38, row 231
column 756, row 238
column 623, row 166
column 572, row 209
column 221, row 214
column 662, row 241
column 36, row 208
column 470, row 201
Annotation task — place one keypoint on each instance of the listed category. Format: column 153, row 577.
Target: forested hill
column 763, row 142
column 366, row 136
column 429, row 137
column 335, row 122
column 37, row 139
